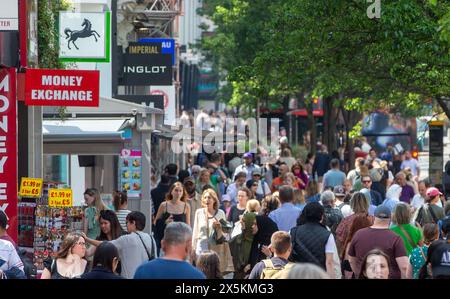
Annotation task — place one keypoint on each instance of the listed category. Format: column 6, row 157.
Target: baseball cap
column 189, row 179
column 440, row 259
column 248, row 155
column 382, row 212
column 432, row 192
column 226, row 197
column 339, row 190
column 256, row 171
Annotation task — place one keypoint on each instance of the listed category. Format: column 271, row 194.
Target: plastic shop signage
column 8, row 149
column 45, row 87
column 30, row 187
column 9, row 15
column 60, row 197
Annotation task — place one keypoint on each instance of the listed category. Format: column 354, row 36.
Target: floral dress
column 417, row 259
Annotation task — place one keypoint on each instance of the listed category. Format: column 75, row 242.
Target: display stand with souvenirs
column 43, row 225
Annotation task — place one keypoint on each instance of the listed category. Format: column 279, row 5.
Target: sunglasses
column 366, row 181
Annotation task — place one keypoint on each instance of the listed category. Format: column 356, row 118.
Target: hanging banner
column 130, row 171
column 45, row 87
column 146, row 69
column 9, row 15
column 8, row 149
column 30, row 187
column 168, row 92
column 436, row 152
column 60, row 198
column 84, row 36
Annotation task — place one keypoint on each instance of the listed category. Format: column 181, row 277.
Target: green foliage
column 269, row 49
column 48, row 44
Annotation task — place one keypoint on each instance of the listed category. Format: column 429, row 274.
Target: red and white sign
column 8, row 148
column 44, row 87
column 169, row 102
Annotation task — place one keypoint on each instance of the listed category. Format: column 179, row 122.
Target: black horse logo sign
column 85, row 32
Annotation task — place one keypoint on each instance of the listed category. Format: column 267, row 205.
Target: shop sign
column 167, row 45
column 130, row 171
column 436, row 151
column 168, row 92
column 84, row 37
column 9, row 15
column 30, row 187
column 146, row 69
column 8, row 149
column 45, row 87
column 60, row 197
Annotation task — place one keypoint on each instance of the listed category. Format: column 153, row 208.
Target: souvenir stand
column 43, row 227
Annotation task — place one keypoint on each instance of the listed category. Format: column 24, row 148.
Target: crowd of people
column 233, row 218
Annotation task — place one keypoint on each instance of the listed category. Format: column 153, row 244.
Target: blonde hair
column 299, row 197
column 253, row 206
column 213, row 194
column 98, row 202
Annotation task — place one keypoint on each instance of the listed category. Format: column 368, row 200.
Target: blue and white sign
column 167, row 45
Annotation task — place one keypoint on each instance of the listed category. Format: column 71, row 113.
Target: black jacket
column 308, row 244
column 100, row 273
column 158, row 195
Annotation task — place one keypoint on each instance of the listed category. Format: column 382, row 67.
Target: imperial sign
column 44, row 87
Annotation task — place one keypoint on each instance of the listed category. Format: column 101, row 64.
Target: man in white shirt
column 411, row 163
column 247, row 167
column 419, row 199
column 10, row 263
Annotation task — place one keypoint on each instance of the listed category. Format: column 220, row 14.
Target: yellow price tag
column 30, row 187
column 60, row 197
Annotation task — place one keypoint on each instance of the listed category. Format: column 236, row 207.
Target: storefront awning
column 83, row 130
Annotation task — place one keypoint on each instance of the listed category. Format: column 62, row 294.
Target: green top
column 414, row 233
column 93, row 224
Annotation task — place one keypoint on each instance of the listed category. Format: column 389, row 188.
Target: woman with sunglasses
column 106, row 261
column 69, row 261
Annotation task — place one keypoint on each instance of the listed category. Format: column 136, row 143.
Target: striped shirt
column 122, row 216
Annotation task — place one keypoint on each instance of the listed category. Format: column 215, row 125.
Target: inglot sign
column 144, row 64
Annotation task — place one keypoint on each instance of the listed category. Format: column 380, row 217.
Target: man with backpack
column 333, row 215
column 278, row 266
column 430, row 212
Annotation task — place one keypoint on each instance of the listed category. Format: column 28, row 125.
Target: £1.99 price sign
column 60, row 197
column 30, row 187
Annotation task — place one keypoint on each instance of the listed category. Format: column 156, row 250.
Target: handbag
column 222, row 248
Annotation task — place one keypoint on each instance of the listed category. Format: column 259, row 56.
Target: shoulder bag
column 150, row 256
column 222, row 248
column 408, row 237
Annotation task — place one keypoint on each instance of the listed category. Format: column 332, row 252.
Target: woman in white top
column 206, row 222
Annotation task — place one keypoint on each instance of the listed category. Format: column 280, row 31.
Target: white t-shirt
column 330, row 247
column 9, row 255
column 132, row 252
column 417, row 201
